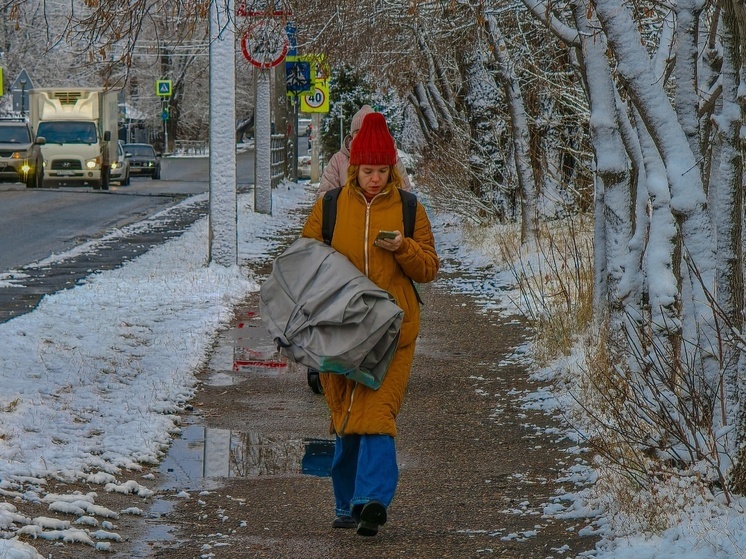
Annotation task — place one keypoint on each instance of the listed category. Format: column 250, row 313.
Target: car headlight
column 114, row 166
column 91, row 163
column 25, row 167
column 19, row 155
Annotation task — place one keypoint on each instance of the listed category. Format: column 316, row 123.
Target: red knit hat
column 373, row 145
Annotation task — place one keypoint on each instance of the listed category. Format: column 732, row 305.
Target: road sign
column 164, row 114
column 19, row 90
column 163, row 88
column 262, row 8
column 290, row 32
column 318, row 101
column 23, row 81
column 298, row 76
column 265, row 43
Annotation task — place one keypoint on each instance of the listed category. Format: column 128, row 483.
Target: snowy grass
column 640, row 504
column 553, row 279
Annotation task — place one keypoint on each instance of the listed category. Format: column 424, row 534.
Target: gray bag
column 325, row 314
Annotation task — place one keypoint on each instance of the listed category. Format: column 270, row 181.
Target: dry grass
column 554, row 277
column 629, row 409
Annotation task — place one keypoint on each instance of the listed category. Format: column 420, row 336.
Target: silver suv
column 20, row 156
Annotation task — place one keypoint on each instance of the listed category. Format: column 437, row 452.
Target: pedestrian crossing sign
column 163, row 88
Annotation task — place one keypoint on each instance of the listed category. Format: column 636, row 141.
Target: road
column 35, row 224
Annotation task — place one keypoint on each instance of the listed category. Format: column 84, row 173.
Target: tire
column 315, row 382
column 126, row 180
column 35, row 178
column 32, row 180
column 157, row 174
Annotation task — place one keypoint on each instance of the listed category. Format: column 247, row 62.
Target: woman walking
column 364, row 469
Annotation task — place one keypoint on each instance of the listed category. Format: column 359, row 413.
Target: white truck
column 80, row 129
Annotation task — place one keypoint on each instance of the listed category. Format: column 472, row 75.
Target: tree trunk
column 729, row 212
column 688, row 200
column 612, row 167
column 519, row 126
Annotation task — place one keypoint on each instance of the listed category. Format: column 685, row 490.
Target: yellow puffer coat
column 357, row 409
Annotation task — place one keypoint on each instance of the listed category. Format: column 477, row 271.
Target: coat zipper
column 367, row 230
column 367, row 269
column 367, row 236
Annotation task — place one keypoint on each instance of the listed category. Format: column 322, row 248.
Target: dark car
column 143, row 160
column 20, row 156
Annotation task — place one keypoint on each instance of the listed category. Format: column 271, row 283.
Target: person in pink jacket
column 335, row 173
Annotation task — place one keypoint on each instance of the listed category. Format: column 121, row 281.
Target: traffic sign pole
column 315, row 146
column 264, row 44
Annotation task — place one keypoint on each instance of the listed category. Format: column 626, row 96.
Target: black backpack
column 329, row 218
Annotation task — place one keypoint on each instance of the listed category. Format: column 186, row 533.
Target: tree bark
column 520, row 130
column 612, row 167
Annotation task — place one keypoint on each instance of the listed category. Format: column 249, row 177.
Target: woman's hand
column 391, row 245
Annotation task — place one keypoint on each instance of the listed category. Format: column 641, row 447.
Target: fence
column 190, row 147
column 277, row 164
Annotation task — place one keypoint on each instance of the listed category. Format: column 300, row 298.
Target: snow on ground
column 95, row 378
column 702, row 526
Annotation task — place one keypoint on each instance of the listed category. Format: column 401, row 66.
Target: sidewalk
column 476, row 470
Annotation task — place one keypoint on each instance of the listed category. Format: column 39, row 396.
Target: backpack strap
column 409, row 211
column 409, row 214
column 329, row 214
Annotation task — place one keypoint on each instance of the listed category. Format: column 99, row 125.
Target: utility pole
column 223, row 215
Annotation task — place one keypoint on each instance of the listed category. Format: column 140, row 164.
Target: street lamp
column 23, row 97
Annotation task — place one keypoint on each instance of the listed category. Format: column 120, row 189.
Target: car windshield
column 68, row 132
column 14, row 135
column 140, row 151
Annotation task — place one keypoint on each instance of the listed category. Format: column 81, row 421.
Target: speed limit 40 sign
column 318, row 101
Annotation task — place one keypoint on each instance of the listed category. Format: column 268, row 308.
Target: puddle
column 245, row 350
column 201, row 456
column 317, row 461
column 252, row 346
column 159, row 534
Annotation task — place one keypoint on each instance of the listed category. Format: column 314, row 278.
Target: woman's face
column 373, row 178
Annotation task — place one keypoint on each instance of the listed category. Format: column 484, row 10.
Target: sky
column 94, row 380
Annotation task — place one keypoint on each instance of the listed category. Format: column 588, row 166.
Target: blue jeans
column 364, row 468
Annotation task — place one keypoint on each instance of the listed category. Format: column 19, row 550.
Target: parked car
column 20, row 156
column 304, row 167
column 120, row 169
column 143, row 160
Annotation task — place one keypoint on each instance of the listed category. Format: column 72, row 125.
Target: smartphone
column 386, row 235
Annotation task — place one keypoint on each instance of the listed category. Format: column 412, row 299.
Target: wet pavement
column 478, row 468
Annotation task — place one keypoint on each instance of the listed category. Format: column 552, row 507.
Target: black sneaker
column 344, row 522
column 372, row 516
